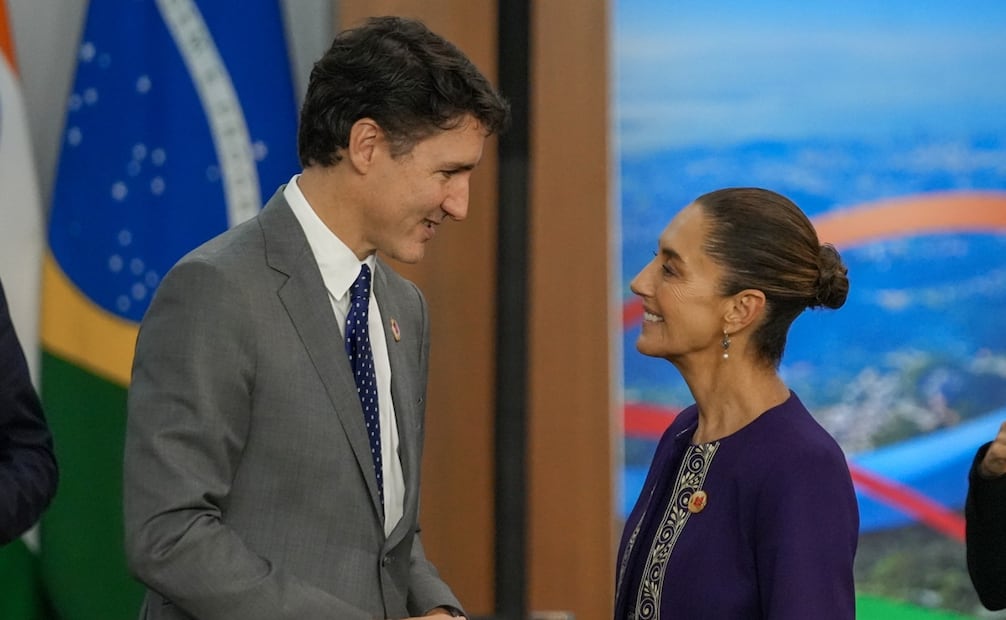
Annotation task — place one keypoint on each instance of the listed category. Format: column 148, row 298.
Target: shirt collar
column 338, row 264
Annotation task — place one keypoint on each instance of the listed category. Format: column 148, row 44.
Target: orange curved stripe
column 914, row 215
column 898, row 217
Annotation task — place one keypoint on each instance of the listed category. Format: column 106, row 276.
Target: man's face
column 412, row 194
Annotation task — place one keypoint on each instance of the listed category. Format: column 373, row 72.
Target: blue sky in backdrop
column 839, row 104
column 729, row 71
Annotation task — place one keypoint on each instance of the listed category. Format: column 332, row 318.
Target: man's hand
column 438, row 612
column 994, row 463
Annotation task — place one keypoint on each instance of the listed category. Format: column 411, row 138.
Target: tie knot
column 360, row 291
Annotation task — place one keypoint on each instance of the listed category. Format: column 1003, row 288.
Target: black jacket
column 985, row 512
column 28, row 473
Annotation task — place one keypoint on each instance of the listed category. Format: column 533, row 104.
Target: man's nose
column 456, row 203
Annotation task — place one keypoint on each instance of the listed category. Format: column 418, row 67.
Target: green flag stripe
column 83, row 561
column 20, row 586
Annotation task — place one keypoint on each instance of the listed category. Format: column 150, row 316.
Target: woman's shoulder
column 793, row 435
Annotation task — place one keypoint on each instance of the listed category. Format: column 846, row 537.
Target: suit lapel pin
column 395, row 331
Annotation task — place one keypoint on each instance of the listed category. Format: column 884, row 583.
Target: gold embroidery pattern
column 691, row 475
column 632, row 543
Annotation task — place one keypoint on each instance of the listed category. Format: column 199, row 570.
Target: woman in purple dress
column 748, row 510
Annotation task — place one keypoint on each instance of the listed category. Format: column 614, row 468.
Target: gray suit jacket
column 249, row 488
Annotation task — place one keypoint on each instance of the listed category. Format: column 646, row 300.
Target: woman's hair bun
column 833, row 279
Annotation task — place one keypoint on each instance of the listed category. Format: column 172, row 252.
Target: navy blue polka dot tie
column 361, row 358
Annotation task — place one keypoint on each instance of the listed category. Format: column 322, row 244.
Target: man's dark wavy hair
column 411, row 81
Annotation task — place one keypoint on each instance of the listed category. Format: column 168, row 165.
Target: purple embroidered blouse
column 775, row 538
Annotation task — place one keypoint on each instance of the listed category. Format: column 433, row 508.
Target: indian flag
column 20, row 263
column 181, row 118
column 20, row 210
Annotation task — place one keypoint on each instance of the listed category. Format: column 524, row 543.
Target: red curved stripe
column 632, row 312
column 646, row 420
column 910, row 215
column 910, row 502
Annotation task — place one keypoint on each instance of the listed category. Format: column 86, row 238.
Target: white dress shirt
column 339, row 269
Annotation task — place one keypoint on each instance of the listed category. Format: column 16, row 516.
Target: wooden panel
column 571, row 459
column 572, row 527
column 458, row 278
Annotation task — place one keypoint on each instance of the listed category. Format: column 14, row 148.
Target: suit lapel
column 306, row 301
column 404, row 392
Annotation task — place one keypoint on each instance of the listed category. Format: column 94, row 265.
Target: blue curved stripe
column 935, row 464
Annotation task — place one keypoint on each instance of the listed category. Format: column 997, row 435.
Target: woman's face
column 683, row 310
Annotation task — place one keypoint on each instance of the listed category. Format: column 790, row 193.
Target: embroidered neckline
column 689, row 479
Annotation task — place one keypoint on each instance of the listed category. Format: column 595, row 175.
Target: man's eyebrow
column 458, row 167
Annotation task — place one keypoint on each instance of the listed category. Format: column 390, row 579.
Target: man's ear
column 364, row 138
column 743, row 309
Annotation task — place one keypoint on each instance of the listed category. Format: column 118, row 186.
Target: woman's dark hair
column 399, row 73
column 764, row 241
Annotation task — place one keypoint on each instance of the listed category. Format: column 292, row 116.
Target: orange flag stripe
column 6, row 40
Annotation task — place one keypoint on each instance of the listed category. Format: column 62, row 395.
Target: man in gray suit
column 268, row 477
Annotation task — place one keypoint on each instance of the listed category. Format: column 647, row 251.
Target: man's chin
column 409, row 256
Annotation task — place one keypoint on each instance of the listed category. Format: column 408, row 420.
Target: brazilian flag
column 182, row 117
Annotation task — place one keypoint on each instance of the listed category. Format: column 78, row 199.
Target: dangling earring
column 726, row 345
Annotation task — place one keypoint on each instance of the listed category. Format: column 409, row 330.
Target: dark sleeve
column 28, row 472
column 808, row 530
column 985, row 513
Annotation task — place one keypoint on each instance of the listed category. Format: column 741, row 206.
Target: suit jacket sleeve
column 426, row 589
column 28, row 473
column 188, row 418
column 985, row 513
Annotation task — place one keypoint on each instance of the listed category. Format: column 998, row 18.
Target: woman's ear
column 744, row 308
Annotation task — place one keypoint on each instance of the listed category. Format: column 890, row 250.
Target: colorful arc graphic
column 900, row 217
column 934, row 213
